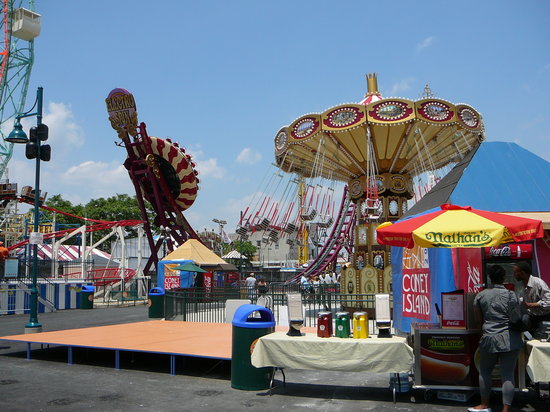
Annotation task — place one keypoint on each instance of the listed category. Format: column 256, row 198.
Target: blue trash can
column 87, row 297
column 247, row 329
column 156, row 303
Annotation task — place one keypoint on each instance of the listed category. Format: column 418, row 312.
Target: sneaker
column 473, row 409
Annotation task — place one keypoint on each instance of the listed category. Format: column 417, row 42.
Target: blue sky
column 222, row 77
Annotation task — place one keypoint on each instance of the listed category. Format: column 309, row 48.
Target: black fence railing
column 209, row 305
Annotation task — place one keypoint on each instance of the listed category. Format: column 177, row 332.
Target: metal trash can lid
column 242, row 317
column 88, row 288
column 156, row 291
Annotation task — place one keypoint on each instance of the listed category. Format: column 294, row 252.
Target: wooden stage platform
column 173, row 338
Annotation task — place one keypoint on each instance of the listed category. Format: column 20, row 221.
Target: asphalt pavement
column 48, row 383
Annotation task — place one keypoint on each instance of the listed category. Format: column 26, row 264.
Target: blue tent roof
column 499, row 176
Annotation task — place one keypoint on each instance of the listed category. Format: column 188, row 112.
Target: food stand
column 425, row 274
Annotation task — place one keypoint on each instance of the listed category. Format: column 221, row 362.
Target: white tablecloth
column 391, row 355
column 538, row 364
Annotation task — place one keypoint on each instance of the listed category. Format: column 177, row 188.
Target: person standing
column 536, row 298
column 263, row 298
column 498, row 342
column 4, row 254
column 250, row 284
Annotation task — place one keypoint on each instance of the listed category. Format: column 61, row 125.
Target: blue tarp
column 186, row 278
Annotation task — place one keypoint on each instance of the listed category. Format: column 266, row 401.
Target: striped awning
column 234, row 255
column 66, row 253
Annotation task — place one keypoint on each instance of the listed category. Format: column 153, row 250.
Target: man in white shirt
column 536, row 298
column 250, row 284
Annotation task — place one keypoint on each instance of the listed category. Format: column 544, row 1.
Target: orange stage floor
column 208, row 340
column 174, row 338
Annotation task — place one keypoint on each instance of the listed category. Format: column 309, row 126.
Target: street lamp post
column 241, row 251
column 34, row 150
column 221, row 224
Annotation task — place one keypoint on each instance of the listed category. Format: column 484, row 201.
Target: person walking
column 498, row 342
column 536, row 298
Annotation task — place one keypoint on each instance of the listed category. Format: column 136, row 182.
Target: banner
column 415, row 283
column 468, row 268
column 431, row 272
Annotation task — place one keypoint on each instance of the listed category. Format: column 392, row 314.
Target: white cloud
column 249, row 156
column 65, row 135
column 400, row 87
column 427, row 42
column 90, row 180
column 210, row 167
column 63, row 128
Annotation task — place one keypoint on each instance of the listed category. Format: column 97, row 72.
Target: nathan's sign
column 459, row 239
column 122, row 111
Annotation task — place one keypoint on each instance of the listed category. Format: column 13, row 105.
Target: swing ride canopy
column 394, row 135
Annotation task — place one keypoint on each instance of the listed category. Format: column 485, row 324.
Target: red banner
column 416, row 293
column 207, row 284
column 468, row 268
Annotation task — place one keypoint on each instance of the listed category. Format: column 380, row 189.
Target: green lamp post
column 33, row 150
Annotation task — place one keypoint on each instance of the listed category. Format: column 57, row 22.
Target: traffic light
column 45, row 152
column 38, row 134
column 31, row 150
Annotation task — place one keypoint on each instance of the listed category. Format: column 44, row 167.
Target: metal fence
column 208, row 305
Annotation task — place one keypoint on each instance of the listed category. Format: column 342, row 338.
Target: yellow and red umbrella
column 456, row 226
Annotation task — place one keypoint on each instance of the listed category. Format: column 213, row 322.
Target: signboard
column 36, row 238
column 468, row 269
column 171, row 282
column 416, row 283
column 207, row 284
column 511, row 251
column 448, row 358
column 453, row 310
column 122, row 111
column 11, row 268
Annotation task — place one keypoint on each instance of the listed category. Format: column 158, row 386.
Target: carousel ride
column 388, row 152
column 162, row 173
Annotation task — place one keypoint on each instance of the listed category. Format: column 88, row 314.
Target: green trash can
column 87, row 297
column 156, row 303
column 247, row 329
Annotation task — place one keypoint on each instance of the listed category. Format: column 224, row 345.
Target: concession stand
column 435, row 282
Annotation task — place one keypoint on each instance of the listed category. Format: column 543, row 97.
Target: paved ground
column 48, row 383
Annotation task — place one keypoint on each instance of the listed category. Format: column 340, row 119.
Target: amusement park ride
column 19, row 25
column 162, row 174
column 381, row 148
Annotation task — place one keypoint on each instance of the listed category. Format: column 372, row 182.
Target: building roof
column 194, row 250
column 498, row 176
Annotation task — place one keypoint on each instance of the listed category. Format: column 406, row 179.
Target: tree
column 248, row 249
column 114, row 208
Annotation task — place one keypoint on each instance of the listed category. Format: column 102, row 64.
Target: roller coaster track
column 341, row 231
column 98, row 224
